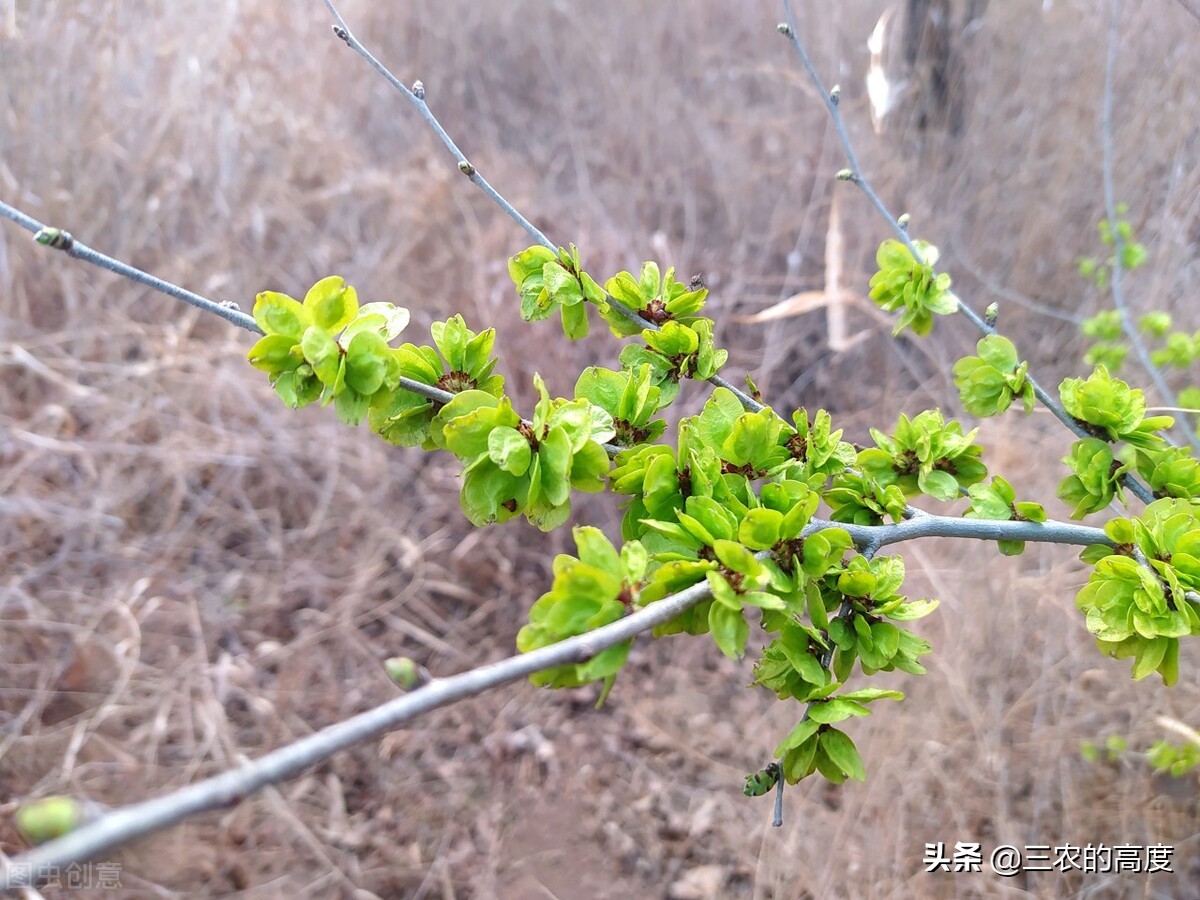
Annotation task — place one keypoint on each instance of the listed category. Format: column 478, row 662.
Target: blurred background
column 192, row 574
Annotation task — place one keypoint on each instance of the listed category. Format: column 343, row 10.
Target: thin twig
column 229, row 788
column 1110, row 207
column 416, row 96
column 78, row 250
column 234, row 786
column 229, row 312
column 869, row 539
column 857, row 177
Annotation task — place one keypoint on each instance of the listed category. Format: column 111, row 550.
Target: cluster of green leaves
column 589, row 591
column 904, row 283
column 546, row 280
column 1133, row 254
column 655, row 298
column 630, row 397
column 1142, row 594
column 814, row 745
column 726, row 442
column 1110, row 347
column 328, row 348
column 730, row 504
column 512, row 467
column 1164, row 757
column 925, row 455
column 460, row 360
column 1111, row 411
column 988, row 383
column 998, row 501
column 824, row 614
column 1172, row 759
column 678, row 342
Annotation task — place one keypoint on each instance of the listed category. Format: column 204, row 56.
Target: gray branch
column 857, row 177
column 227, row 311
column 229, row 788
column 416, row 96
column 232, row 787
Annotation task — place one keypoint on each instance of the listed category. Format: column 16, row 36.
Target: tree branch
column 871, row 538
column 58, row 239
column 232, row 787
column 228, row 311
column 857, row 177
column 229, row 788
column 416, row 96
column 1110, row 207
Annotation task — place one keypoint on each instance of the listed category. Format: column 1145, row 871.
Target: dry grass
column 191, row 574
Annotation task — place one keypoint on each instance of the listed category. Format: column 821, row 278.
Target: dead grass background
column 192, row 575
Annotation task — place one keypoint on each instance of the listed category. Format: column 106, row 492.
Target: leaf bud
column 418, row 89
column 55, row 238
column 835, row 94
column 49, row 818
column 991, row 314
column 845, row 175
column 784, row 28
column 466, row 168
column 405, row 672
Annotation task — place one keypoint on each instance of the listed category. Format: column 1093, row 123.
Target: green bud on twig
column 55, row 238
column 835, row 94
column 902, row 221
column 466, row 168
column 845, row 175
column 418, row 89
column 49, row 818
column 784, row 29
column 991, row 314
column 406, row 673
